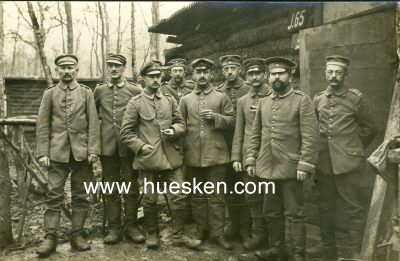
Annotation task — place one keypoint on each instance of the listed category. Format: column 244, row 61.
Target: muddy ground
column 33, row 233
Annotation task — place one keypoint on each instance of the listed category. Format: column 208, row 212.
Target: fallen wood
column 25, row 210
column 18, row 121
column 31, row 171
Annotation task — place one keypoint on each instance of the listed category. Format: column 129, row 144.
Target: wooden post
column 6, row 236
column 155, row 38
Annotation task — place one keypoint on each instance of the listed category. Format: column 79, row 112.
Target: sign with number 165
column 297, row 20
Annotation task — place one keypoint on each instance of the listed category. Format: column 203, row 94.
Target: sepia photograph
column 205, row 130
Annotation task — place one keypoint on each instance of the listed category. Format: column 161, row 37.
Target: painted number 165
column 297, row 20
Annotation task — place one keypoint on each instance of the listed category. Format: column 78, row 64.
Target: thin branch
column 22, row 15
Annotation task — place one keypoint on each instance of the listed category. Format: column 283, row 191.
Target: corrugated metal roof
column 190, row 18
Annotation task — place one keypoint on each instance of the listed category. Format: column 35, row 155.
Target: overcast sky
column 53, row 46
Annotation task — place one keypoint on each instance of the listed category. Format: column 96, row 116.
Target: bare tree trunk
column 15, row 49
column 40, row 44
column 133, row 42
column 155, row 38
column 5, row 180
column 102, row 40
column 118, row 49
column 106, row 22
column 78, row 41
column 62, row 25
column 91, row 60
column 70, row 29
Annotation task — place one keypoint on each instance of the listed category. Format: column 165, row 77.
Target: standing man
column 246, row 110
column 234, row 87
column 67, row 136
column 207, row 112
column 347, row 128
column 111, row 99
column 177, row 86
column 283, row 148
column 150, row 128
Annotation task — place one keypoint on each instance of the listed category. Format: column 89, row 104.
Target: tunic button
column 329, row 137
column 272, row 139
column 331, row 108
column 202, row 132
column 114, row 123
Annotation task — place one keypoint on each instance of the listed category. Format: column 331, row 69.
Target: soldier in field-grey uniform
column 68, row 140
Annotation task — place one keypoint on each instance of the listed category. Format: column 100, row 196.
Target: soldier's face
column 115, row 70
column 335, row 75
column 177, row 74
column 153, row 81
column 255, row 78
column 202, row 77
column 67, row 72
column 231, row 72
column 279, row 78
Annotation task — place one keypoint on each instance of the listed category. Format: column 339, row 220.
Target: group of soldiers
column 253, row 130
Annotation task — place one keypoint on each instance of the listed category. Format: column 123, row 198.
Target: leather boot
column 327, row 252
column 327, row 247
column 153, row 240
column 178, row 227
column 113, row 204
column 132, row 232
column 276, row 251
column 222, row 242
column 259, row 235
column 151, row 225
column 297, row 235
column 78, row 221
column 233, row 226
column 51, row 223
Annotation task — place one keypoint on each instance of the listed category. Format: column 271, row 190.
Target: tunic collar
column 274, row 94
column 329, row 91
column 207, row 90
column 152, row 96
column 239, row 82
column 64, row 85
column 173, row 84
column 119, row 85
column 262, row 91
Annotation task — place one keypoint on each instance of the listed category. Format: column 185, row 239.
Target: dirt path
column 131, row 251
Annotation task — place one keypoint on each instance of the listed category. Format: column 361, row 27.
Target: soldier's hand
column 146, row 149
column 302, row 175
column 44, row 161
column 169, row 133
column 207, row 114
column 237, row 166
column 93, row 158
column 251, row 170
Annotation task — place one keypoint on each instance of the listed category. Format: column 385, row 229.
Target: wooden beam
column 18, row 121
column 370, row 239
